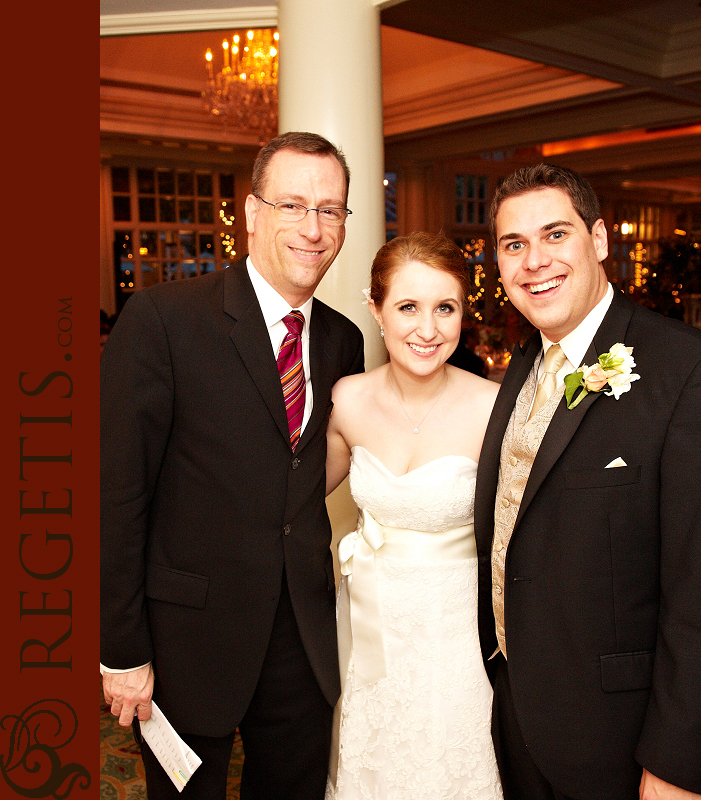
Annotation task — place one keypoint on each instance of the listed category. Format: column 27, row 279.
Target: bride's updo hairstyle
column 433, row 250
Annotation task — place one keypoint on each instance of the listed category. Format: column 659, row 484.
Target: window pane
column 459, row 213
column 189, row 269
column 226, row 186
column 206, row 266
column 170, row 271
column 390, row 196
column 228, row 245
column 166, row 209
column 120, row 179
column 121, row 209
column 169, row 241
column 166, row 181
column 123, row 258
column 148, row 244
column 470, row 185
column 204, row 184
column 186, row 183
column 206, row 245
column 147, row 209
column 146, row 180
column 187, row 245
column 186, row 210
column 481, row 210
column 459, row 186
column 149, row 272
column 470, row 211
column 482, row 191
column 205, row 212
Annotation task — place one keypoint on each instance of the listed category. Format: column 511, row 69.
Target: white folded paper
column 176, row 757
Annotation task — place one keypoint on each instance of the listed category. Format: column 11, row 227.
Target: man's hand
column 129, row 693
column 652, row 788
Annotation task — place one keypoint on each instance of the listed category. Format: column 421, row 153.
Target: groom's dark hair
column 547, row 176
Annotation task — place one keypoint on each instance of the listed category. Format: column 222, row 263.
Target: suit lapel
column 251, row 339
column 565, row 421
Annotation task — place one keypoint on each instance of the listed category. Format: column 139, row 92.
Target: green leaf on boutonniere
column 574, row 381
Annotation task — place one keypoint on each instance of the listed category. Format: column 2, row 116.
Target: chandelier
column 244, row 91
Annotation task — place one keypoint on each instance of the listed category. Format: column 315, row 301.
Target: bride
column 413, row 720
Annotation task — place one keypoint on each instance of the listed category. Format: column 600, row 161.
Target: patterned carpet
column 121, row 768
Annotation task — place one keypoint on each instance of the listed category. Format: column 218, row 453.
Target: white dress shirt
column 576, row 343
column 275, row 308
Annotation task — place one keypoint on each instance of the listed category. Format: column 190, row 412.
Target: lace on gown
column 423, row 731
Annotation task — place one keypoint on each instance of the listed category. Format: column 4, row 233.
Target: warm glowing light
column 143, row 251
column 621, row 137
column 244, row 91
column 626, row 228
column 680, row 232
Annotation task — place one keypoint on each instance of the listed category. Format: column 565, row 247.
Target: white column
column 330, row 82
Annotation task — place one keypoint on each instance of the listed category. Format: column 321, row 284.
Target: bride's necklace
column 433, row 405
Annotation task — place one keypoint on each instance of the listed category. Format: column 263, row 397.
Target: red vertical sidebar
column 49, row 736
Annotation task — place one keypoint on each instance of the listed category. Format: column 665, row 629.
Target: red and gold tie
column 289, row 364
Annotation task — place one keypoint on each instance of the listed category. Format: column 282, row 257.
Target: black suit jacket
column 603, row 570
column 203, row 501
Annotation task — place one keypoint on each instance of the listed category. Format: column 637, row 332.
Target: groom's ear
column 600, row 237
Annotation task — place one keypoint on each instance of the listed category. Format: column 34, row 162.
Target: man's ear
column 600, row 238
column 251, row 212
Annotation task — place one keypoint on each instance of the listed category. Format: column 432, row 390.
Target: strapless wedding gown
column 414, row 716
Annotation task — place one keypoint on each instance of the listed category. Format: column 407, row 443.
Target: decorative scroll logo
column 31, row 765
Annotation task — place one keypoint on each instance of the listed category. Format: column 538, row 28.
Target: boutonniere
column 613, row 370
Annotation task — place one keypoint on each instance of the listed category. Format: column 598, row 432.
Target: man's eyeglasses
column 294, row 212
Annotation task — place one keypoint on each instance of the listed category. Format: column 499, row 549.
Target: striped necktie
column 291, row 369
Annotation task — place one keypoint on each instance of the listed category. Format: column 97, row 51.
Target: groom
column 588, row 519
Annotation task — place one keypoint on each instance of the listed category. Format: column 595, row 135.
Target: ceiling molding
column 538, row 85
column 183, row 21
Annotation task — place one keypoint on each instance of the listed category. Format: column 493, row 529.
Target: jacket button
column 295, row 463
column 287, row 530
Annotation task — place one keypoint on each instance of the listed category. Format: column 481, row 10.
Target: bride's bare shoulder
column 352, row 388
column 473, row 388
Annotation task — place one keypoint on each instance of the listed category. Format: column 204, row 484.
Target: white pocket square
column 617, row 462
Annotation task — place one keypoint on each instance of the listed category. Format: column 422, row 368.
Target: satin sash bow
column 359, row 603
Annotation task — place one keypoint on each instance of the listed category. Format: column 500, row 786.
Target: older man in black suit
column 588, row 518
column 217, row 577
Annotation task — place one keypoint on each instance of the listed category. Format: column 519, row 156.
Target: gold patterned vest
column 518, row 452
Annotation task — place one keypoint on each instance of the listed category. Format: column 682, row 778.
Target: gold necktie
column 554, row 359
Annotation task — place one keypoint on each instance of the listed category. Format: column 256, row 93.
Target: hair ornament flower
column 613, row 370
column 366, row 292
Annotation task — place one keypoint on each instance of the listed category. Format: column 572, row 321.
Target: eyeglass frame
column 307, row 210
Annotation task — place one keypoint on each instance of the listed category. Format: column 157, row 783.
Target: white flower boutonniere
column 614, row 369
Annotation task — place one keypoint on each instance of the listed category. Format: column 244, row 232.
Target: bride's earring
column 382, row 332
